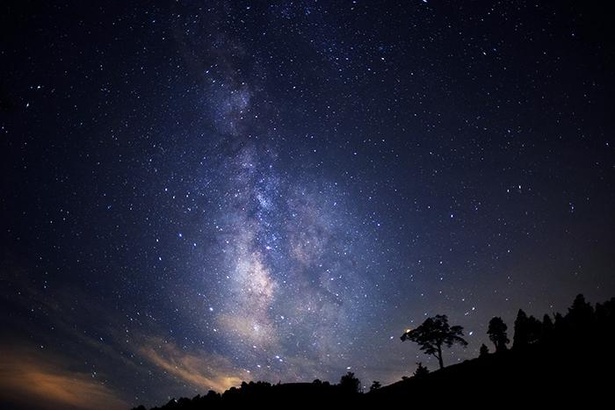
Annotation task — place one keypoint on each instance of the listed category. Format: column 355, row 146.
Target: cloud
column 37, row 380
column 202, row 370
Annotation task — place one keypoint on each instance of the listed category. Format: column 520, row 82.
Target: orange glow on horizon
column 40, row 381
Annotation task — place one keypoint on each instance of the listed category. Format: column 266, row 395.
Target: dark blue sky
column 196, row 194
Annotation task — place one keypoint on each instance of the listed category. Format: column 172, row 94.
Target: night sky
column 198, row 193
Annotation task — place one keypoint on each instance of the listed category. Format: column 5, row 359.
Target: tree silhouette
column 350, row 384
column 433, row 334
column 546, row 328
column 484, row 351
column 604, row 314
column 527, row 329
column 375, row 386
column 420, row 371
column 520, row 338
column 497, row 334
column 580, row 314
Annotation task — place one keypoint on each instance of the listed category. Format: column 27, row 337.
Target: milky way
column 288, row 285
column 287, row 280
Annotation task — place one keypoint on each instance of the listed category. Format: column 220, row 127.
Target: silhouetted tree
column 535, row 329
column 484, row 351
column 433, row 334
column 527, row 330
column 605, row 313
column 580, row 314
column 232, row 394
column 350, row 384
column 420, row 371
column 547, row 327
column 558, row 322
column 604, row 319
column 520, row 337
column 497, row 333
column 375, row 386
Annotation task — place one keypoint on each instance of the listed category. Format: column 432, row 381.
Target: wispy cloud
column 34, row 379
column 204, row 371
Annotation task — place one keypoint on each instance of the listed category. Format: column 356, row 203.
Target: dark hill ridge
column 262, row 395
column 567, row 365
column 536, row 377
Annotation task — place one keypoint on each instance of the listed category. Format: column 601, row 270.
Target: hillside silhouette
column 564, row 362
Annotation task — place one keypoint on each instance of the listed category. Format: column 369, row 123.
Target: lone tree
column 433, row 333
column 421, row 371
column 350, row 384
column 497, row 334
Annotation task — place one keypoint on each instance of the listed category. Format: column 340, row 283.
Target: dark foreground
column 569, row 365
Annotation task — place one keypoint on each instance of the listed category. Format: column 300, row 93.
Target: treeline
column 562, row 361
column 264, row 395
column 581, row 322
column 558, row 361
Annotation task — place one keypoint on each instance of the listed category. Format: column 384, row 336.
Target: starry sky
column 199, row 193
